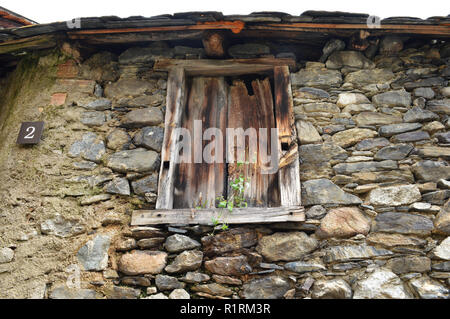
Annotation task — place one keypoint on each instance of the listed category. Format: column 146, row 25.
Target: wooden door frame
column 289, row 172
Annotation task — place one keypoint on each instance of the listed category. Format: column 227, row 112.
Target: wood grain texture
column 174, row 110
column 289, row 174
column 200, row 183
column 206, row 216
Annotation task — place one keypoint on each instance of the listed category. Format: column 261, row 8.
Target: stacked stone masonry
column 374, row 154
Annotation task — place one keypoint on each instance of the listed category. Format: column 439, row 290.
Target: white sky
column 44, row 11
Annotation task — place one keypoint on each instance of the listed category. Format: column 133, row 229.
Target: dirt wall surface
column 373, row 135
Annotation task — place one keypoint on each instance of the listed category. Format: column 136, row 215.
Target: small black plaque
column 30, row 132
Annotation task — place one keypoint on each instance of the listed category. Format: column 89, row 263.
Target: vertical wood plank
column 199, row 184
column 174, row 110
column 289, row 175
column 252, row 111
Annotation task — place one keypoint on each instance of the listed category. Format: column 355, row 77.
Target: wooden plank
column 289, row 174
column 231, row 67
column 199, row 183
column 206, row 216
column 174, row 110
column 28, row 44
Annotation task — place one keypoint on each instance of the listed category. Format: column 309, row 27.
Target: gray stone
column 63, row 292
column 6, row 255
column 318, row 153
column 444, row 266
column 119, row 186
column 371, row 143
column 195, row 277
column 288, row 246
column 316, row 212
column 159, row 296
column 213, row 289
column 62, row 227
column 323, row 191
column 138, row 161
column 94, row 254
column 145, row 55
column 443, row 137
column 436, row 198
column 402, row 223
column 150, row 243
column 427, row 93
column 391, row 45
column 164, row 282
column 147, row 184
column 439, row 106
column 323, row 107
column 349, row 168
column 428, row 288
column 248, row 50
column 428, row 82
column 352, row 253
column 127, row 87
column 318, row 78
column 417, row 114
column 93, row 118
column 311, row 93
column 273, row 287
column 396, row 152
column 229, row 266
column 302, row 267
column 442, row 251
column 177, row 243
column 375, row 118
column 85, row 166
column 331, row 46
column 90, row 148
column 442, row 220
column 394, row 240
column 407, row 264
column 115, row 292
column 99, row 105
column 370, row 76
column 150, row 137
column 353, row 59
column 392, row 129
column 394, row 195
column 307, row 133
column 143, row 117
column 358, row 108
column 118, row 140
column 178, row 294
column 381, row 284
column 430, row 171
column 231, row 240
column 410, row 137
column 331, row 289
column 89, row 200
column 393, row 98
column 186, row 261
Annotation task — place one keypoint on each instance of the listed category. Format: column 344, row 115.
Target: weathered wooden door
column 218, row 104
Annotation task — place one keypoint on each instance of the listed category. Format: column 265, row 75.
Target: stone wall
column 373, row 134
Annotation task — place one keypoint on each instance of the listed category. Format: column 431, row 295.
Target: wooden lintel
column 223, row 67
column 207, row 216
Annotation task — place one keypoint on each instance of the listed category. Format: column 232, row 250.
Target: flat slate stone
column 119, row 186
column 93, row 118
column 402, row 223
column 417, row 114
column 323, row 191
column 371, row 143
column 350, row 168
column 147, row 184
column 138, row 161
column 94, row 254
column 288, row 246
column 395, row 152
column 302, row 267
column 150, row 137
column 392, row 129
column 143, row 117
column 410, row 137
column 350, row 253
column 393, row 98
column 381, row 284
column 394, row 195
column 317, row 78
column 430, row 171
column 272, row 287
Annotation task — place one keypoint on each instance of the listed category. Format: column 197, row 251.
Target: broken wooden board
column 174, row 111
column 208, row 216
column 28, row 44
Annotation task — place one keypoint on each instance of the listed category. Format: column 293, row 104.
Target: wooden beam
column 222, row 67
column 27, row 44
column 289, row 172
column 207, row 216
column 174, row 110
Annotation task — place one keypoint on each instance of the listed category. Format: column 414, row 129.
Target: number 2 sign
column 30, row 132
